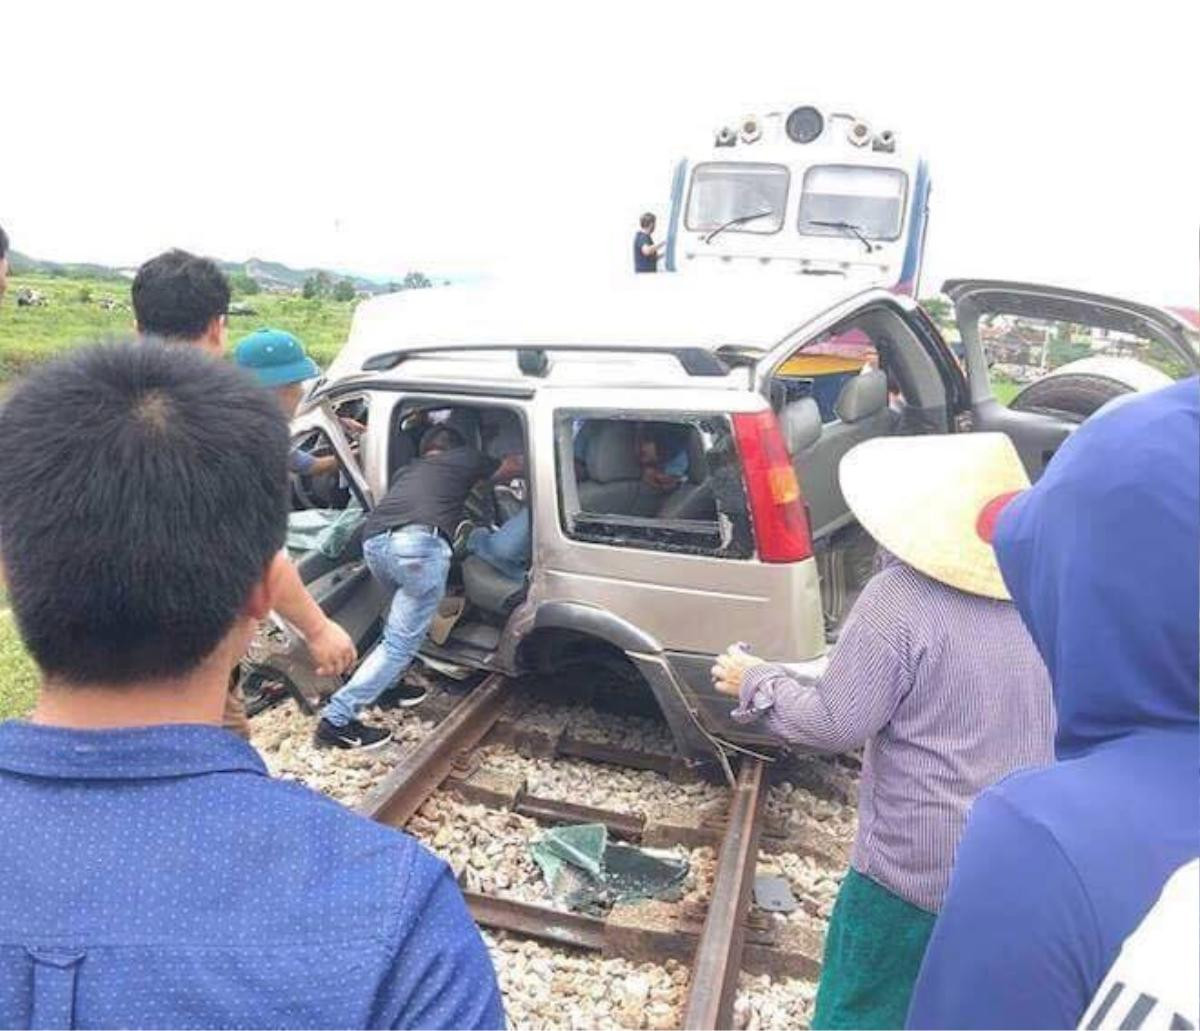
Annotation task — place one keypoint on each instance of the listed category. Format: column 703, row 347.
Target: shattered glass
column 590, row 874
column 327, row 530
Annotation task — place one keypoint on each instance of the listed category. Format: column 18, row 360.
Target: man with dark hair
column 137, row 892
column 645, row 251
column 406, row 542
column 3, row 262
column 179, row 298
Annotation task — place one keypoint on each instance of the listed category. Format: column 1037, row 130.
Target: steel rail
column 403, row 791
column 718, row 959
column 534, row 921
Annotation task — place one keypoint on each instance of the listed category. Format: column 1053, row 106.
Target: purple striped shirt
column 948, row 693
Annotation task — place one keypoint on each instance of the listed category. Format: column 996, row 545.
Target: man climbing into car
column 406, row 543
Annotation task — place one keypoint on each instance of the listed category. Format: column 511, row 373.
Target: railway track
column 717, row 938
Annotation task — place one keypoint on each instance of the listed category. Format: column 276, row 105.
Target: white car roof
column 756, row 311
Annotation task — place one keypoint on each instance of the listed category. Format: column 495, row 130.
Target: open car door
column 1040, row 359
column 325, row 541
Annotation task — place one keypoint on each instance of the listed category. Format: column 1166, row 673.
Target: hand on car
column 331, row 649
column 731, row 667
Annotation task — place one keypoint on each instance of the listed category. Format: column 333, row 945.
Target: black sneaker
column 353, row 735
column 402, row 696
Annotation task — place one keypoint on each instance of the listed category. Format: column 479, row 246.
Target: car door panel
column 1037, row 435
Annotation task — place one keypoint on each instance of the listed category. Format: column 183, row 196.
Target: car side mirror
column 800, row 423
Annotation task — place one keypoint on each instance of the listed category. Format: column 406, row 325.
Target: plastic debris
column 327, row 530
column 590, row 874
column 774, row 894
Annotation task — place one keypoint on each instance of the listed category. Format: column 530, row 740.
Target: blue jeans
column 415, row 562
column 509, row 548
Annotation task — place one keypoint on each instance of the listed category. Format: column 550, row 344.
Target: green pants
column 873, row 954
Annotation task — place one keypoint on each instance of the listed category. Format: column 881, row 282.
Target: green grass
column 18, row 676
column 29, row 336
column 1004, row 389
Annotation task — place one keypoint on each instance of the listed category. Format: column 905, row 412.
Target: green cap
column 276, row 358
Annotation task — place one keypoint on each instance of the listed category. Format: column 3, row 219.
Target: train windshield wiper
column 737, row 222
column 849, row 227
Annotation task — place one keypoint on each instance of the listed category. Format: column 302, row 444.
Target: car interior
column 869, row 377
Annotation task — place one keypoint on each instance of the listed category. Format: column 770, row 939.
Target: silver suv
column 736, row 529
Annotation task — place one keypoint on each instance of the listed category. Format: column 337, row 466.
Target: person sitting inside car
column 406, row 544
column 935, row 674
column 662, row 450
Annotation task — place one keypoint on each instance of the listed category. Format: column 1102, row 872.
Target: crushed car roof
column 755, row 312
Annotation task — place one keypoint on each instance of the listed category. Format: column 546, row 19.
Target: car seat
column 862, row 413
column 614, row 483
column 489, row 589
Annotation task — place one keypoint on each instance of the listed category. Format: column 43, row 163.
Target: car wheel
column 1073, row 397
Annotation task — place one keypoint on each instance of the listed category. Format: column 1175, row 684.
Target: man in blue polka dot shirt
column 154, row 875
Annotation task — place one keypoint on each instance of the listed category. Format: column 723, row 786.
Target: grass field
column 73, row 314
column 18, row 678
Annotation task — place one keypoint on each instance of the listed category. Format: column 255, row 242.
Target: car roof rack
column 534, row 361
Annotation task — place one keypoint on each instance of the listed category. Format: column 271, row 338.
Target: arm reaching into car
column 330, row 646
column 837, row 712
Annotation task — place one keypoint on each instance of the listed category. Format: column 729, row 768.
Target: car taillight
column 776, row 507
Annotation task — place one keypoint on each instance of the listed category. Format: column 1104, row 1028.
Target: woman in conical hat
column 935, row 676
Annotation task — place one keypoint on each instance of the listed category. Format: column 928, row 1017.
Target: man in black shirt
column 645, row 251
column 406, row 543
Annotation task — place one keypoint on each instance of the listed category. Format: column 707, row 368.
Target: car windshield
column 869, row 199
column 725, row 191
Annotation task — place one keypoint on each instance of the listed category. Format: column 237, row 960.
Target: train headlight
column 751, row 129
column 726, row 137
column 859, row 133
column 804, row 125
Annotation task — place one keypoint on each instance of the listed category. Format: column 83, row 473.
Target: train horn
column 726, row 137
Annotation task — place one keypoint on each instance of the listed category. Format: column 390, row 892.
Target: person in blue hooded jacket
column 1058, row 866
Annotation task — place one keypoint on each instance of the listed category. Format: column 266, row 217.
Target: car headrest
column 862, row 396
column 800, row 423
column 611, row 454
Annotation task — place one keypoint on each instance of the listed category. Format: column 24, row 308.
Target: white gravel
column 601, row 786
column 561, row 988
column 283, row 736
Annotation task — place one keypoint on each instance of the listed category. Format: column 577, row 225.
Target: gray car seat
column 614, row 477
column 862, row 413
column 489, row 588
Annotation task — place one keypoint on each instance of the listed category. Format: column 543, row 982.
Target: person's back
column 1059, row 866
column 973, row 705
column 154, row 875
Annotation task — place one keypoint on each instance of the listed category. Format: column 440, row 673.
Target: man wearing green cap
column 278, row 360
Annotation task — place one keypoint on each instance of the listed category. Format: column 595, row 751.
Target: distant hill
column 272, row 276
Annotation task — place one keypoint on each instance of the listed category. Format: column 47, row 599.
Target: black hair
column 440, row 438
column 143, row 491
column 3, row 243
column 176, row 295
column 648, row 220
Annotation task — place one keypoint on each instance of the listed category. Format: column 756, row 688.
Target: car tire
column 1073, row 397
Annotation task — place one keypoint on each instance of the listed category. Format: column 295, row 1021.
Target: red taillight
column 776, row 507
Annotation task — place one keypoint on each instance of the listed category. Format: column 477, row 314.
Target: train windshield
column 753, row 196
column 871, row 200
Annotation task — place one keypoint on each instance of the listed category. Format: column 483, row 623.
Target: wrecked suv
column 762, row 386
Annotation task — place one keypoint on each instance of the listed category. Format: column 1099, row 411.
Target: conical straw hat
column 922, row 498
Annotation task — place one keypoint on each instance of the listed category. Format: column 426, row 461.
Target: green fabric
column 873, row 953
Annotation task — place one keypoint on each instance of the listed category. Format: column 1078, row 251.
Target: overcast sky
column 474, row 139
